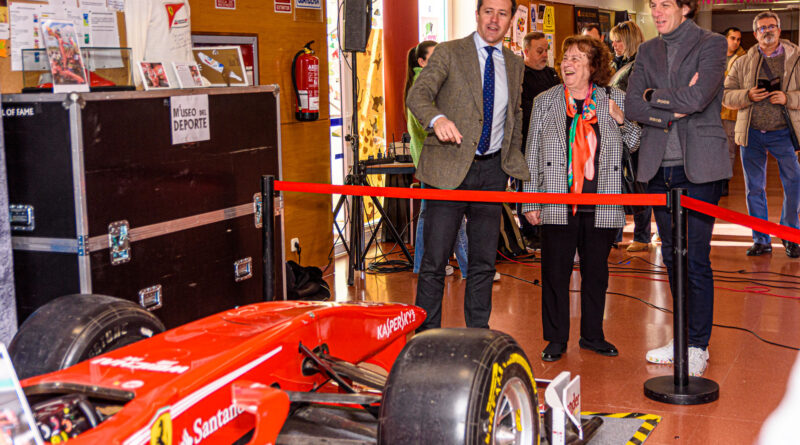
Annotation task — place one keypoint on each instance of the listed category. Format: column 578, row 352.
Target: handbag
column 784, row 110
column 629, row 182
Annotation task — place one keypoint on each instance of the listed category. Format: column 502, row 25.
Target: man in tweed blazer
column 474, row 144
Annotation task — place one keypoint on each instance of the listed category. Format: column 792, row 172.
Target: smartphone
column 770, row 85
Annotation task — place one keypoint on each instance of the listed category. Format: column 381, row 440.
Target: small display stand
column 110, row 69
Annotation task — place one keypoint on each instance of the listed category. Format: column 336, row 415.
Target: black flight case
column 102, row 202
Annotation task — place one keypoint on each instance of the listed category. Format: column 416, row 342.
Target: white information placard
column 190, row 119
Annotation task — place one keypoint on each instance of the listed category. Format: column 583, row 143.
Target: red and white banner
column 284, row 6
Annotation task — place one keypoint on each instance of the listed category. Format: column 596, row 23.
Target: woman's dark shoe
column 554, row 351
column 758, row 249
column 601, row 347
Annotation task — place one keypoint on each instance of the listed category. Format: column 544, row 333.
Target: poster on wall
column 283, row 6
column 534, row 14
column 549, row 19
column 520, row 28
column 604, row 19
column 551, row 52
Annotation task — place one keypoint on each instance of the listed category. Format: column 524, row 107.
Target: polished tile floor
column 761, row 294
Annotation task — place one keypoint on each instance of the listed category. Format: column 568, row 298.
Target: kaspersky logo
column 172, row 10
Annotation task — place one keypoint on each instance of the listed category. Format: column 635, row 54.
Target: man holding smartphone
column 760, row 84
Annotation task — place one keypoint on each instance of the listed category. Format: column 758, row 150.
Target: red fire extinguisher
column 305, row 78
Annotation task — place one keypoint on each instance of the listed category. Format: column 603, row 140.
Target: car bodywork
column 217, row 379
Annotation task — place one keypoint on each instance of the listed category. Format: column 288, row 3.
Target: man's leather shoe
column 792, row 249
column 554, row 351
column 601, row 347
column 759, row 249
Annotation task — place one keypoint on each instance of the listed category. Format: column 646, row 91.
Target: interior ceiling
column 734, row 5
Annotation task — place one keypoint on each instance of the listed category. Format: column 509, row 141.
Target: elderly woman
column 575, row 146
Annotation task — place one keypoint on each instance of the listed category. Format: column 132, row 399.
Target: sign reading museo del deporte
column 190, row 119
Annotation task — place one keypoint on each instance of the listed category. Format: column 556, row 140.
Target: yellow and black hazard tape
column 649, row 422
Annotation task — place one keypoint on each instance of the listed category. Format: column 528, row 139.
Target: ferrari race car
column 292, row 373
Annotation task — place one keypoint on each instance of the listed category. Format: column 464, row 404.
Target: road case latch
column 119, row 243
column 257, row 209
column 150, row 297
column 243, row 269
column 21, row 217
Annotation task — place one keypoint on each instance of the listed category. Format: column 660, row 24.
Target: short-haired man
column 675, row 93
column 538, row 77
column 469, row 94
column 734, row 37
column 761, row 127
column 592, row 30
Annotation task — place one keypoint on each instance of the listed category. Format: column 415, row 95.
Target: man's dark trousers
column 701, row 226
column 442, row 221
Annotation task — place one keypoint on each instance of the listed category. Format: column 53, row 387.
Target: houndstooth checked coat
column 546, row 155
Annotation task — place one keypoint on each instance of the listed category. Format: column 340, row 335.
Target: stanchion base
column 697, row 392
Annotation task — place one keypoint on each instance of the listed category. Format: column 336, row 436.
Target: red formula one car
column 296, row 373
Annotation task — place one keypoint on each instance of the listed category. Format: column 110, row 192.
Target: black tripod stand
column 357, row 251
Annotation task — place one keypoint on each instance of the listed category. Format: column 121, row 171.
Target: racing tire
column 73, row 328
column 457, row 387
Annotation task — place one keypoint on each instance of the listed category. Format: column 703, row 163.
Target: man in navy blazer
column 683, row 145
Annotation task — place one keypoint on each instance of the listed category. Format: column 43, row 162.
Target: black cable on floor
column 663, row 309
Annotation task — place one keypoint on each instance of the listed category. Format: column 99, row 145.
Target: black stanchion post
column 680, row 388
column 267, row 236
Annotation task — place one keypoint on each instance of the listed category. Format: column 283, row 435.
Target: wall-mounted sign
column 225, row 4
column 284, row 6
column 549, row 19
column 308, row 4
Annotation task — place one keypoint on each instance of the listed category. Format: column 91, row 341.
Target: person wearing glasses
column 760, row 84
column 675, row 94
column 575, row 146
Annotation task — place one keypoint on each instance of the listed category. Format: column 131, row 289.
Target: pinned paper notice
column 190, row 119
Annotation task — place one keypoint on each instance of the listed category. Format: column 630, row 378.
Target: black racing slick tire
column 460, row 387
column 73, row 328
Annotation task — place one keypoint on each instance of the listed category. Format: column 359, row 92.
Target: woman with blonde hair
column 626, row 38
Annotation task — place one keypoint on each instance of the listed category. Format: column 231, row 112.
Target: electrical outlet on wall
column 294, row 243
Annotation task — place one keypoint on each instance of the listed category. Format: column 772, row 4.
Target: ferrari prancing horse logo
column 172, row 9
column 161, row 429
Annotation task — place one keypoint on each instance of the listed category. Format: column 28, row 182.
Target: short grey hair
column 766, row 15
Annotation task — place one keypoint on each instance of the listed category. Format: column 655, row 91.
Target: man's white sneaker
column 662, row 355
column 448, row 270
column 698, row 361
column 497, row 276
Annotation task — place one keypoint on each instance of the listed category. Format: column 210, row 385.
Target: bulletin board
column 11, row 81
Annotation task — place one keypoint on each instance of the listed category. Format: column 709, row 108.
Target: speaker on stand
column 357, row 27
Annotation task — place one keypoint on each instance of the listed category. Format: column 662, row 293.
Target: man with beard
column 759, row 85
column 734, row 37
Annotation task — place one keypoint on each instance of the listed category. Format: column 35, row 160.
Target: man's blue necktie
column 488, row 102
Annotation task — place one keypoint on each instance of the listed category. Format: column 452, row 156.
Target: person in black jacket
column 538, row 78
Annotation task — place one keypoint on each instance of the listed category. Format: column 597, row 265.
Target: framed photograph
column 221, row 66
column 64, row 53
column 154, row 76
column 188, row 74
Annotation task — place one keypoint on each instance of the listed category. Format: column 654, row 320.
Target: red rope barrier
column 782, row 232
column 473, row 195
